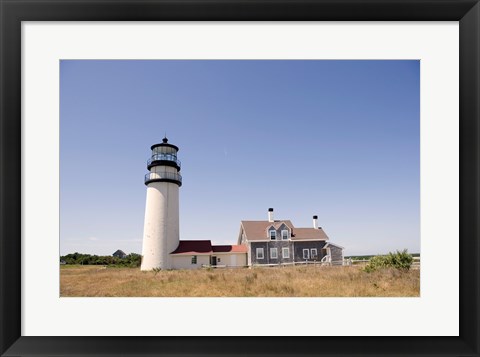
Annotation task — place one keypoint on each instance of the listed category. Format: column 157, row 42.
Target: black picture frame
column 13, row 12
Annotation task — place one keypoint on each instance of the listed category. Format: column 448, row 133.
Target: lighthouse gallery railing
column 152, row 176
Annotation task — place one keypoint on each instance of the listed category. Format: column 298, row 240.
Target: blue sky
column 337, row 139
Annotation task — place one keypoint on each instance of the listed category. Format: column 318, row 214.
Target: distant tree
column 133, row 260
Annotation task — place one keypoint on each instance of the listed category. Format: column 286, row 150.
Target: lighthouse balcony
column 164, row 160
column 163, row 177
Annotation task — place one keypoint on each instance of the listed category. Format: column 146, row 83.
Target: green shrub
column 398, row 260
column 401, row 260
column 377, row 262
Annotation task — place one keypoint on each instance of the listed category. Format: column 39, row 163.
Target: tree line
column 131, row 260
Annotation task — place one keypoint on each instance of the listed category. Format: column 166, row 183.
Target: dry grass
column 268, row 282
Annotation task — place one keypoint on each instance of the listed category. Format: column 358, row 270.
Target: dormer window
column 285, row 234
column 273, row 234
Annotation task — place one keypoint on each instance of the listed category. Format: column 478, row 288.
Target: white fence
column 323, row 262
column 306, row 262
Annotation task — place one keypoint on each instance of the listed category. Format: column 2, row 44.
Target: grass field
column 267, row 282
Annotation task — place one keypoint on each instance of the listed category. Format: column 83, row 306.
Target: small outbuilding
column 119, row 254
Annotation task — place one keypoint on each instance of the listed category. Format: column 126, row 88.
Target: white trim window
column 194, row 259
column 284, row 233
column 306, row 254
column 259, row 253
column 313, row 253
column 273, row 234
column 285, row 252
column 273, row 253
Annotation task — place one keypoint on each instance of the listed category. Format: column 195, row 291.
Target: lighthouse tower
column 161, row 227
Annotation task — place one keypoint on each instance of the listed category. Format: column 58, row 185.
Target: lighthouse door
column 214, row 260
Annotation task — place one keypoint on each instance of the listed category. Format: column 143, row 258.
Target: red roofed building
column 192, row 254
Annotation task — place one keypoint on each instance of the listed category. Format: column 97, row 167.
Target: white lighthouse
column 161, row 227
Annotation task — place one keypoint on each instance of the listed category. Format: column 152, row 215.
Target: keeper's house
column 274, row 242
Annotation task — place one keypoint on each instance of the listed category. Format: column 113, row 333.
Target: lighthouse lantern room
column 161, row 227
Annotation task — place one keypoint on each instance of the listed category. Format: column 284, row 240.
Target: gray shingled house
column 274, row 242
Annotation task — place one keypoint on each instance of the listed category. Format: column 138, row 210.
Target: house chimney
column 315, row 222
column 270, row 214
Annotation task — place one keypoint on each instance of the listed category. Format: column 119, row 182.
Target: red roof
column 192, row 247
column 229, row 248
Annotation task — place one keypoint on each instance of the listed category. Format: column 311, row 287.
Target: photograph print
column 239, row 178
